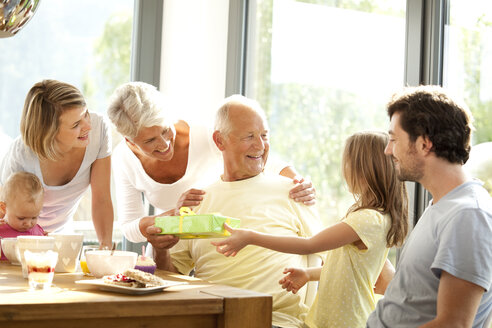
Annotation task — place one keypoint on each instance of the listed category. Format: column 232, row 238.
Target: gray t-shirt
column 454, row 235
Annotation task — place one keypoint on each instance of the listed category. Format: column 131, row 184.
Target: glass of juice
column 83, row 262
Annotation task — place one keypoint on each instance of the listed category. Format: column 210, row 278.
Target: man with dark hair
column 444, row 275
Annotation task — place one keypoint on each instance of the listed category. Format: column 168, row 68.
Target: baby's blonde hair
column 21, row 183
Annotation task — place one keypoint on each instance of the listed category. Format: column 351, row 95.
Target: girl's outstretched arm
column 298, row 277
column 332, row 237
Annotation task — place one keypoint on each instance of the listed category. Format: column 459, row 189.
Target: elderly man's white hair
column 137, row 105
column 222, row 123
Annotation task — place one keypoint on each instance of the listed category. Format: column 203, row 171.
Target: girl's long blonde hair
column 372, row 179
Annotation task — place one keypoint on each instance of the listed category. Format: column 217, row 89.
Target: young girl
column 359, row 243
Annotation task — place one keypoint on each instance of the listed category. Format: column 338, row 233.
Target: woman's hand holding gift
column 151, row 232
column 304, row 192
column 190, row 198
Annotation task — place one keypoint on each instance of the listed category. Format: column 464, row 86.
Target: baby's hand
column 232, row 245
column 294, row 280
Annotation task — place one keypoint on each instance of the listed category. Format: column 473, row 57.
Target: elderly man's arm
column 162, row 258
column 457, row 302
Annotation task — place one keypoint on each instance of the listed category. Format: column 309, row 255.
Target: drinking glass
column 83, row 262
column 40, row 268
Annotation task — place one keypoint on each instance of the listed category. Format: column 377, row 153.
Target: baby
column 21, row 201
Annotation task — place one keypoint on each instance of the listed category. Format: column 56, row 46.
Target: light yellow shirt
column 262, row 203
column 345, row 296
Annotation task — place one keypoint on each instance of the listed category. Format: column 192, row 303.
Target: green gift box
column 190, row 225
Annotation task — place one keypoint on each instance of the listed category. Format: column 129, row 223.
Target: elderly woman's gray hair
column 222, row 123
column 137, row 105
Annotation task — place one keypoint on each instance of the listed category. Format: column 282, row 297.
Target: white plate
column 128, row 290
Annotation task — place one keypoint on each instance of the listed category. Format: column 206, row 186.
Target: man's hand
column 231, row 246
column 294, row 280
column 190, row 198
column 304, row 191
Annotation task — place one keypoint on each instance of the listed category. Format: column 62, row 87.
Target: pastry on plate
column 134, row 278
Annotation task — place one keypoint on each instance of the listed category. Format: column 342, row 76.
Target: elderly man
column 261, row 202
column 445, row 271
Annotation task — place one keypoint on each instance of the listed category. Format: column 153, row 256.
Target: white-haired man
column 262, row 203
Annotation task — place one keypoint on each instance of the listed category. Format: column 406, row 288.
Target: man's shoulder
column 266, row 181
column 275, row 181
column 471, row 196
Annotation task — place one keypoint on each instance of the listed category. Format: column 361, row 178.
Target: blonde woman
column 69, row 149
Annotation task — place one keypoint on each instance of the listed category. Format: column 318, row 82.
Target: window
column 85, row 43
column 468, row 73
column 322, row 72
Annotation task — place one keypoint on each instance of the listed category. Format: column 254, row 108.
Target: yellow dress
column 345, row 296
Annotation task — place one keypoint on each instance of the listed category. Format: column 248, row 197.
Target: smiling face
column 73, row 132
column 409, row 166
column 21, row 214
column 156, row 142
column 245, row 148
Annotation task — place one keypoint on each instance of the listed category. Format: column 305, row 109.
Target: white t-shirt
column 60, row 202
column 204, row 167
column 262, row 203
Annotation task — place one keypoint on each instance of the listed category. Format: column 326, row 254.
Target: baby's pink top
column 6, row 231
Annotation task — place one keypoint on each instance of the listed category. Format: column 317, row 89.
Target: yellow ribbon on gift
column 182, row 212
column 188, row 211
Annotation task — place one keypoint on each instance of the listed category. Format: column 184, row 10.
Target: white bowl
column 9, row 248
column 102, row 263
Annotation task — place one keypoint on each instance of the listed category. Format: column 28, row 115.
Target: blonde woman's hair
column 21, row 183
column 372, row 179
column 40, row 120
column 222, row 123
column 137, row 105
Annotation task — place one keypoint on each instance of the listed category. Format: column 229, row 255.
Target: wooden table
column 66, row 304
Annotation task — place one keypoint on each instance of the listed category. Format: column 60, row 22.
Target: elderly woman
column 68, row 149
column 163, row 158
